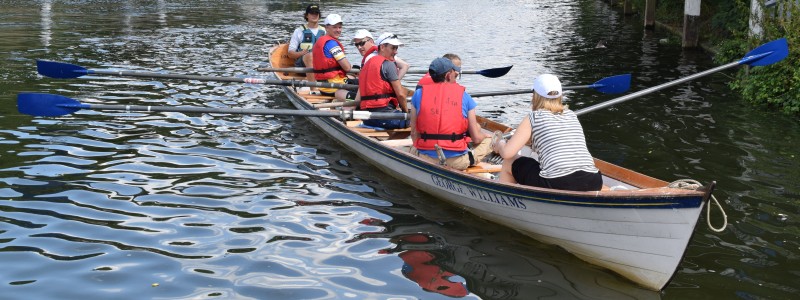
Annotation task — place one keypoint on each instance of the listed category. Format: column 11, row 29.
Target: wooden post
column 627, row 8
column 650, row 14
column 691, row 21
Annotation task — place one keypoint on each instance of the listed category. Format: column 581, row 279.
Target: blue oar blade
column 614, row 84
column 767, row 54
column 45, row 105
column 54, row 69
column 495, row 72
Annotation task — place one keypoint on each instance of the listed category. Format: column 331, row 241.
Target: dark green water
column 167, row 205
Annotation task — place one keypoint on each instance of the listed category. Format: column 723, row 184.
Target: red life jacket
column 325, row 67
column 366, row 54
column 426, row 79
column 375, row 92
column 441, row 119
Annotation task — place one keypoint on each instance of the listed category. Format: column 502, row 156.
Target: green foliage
column 777, row 85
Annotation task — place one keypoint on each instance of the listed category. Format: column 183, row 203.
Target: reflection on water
column 168, row 205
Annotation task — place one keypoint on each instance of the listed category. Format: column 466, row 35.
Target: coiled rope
column 691, row 184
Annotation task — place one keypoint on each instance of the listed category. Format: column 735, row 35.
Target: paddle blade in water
column 495, row 72
column 54, row 69
column 767, row 54
column 46, row 105
column 614, row 84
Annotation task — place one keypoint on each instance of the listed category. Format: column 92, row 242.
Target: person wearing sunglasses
column 303, row 39
column 379, row 87
column 443, row 114
column 330, row 62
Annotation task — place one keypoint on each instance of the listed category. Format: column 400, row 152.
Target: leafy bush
column 777, row 85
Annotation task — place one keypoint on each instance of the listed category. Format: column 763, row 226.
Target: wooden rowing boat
column 639, row 227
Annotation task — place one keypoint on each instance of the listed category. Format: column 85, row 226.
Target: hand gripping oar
column 765, row 54
column 609, row 85
column 49, row 105
column 491, row 73
column 64, row 70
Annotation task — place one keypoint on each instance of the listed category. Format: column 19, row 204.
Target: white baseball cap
column 332, row 19
column 362, row 33
column 388, row 38
column 546, row 84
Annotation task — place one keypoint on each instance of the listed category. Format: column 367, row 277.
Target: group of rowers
column 442, row 114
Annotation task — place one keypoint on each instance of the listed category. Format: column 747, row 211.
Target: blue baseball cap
column 442, row 65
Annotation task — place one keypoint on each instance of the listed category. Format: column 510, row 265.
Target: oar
column 49, row 105
column 64, row 70
column 609, row 85
column 491, row 73
column 765, row 54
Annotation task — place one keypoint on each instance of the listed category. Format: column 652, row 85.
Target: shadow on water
column 167, row 205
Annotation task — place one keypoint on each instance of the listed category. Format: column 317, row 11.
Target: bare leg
column 308, row 60
column 505, row 171
column 341, row 94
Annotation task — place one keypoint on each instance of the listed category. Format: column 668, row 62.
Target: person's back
column 444, row 115
column 557, row 137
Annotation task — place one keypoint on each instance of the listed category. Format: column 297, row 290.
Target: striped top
column 559, row 141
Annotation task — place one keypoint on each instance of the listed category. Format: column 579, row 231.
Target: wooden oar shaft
column 344, row 114
column 653, row 89
column 523, row 91
column 226, row 79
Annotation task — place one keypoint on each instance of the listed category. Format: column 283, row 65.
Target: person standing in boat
column 444, row 114
column 303, row 39
column 426, row 79
column 564, row 162
column 330, row 62
column 379, row 84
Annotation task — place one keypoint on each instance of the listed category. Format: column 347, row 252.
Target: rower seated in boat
column 303, row 39
column 444, row 115
column 330, row 62
column 564, row 162
column 379, row 85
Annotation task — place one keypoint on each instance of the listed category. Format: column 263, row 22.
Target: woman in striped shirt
column 557, row 137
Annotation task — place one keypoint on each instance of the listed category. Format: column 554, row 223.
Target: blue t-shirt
column 467, row 104
column 331, row 49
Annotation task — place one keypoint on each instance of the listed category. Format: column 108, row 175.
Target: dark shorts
column 386, row 124
column 526, row 171
column 299, row 62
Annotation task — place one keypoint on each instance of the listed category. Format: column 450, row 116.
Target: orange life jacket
column 426, row 79
column 375, row 92
column 441, row 119
column 366, row 54
column 325, row 67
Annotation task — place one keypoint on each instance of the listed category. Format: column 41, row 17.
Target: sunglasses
column 361, row 43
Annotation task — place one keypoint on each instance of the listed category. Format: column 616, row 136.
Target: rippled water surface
column 113, row 205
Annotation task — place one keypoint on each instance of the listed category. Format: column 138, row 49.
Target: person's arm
column 402, row 67
column 412, row 111
column 509, row 149
column 345, row 64
column 474, row 128
column 294, row 42
column 400, row 93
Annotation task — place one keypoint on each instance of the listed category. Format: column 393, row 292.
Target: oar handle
column 291, row 82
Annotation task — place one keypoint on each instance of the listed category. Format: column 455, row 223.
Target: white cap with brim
column 362, row 33
column 332, row 19
column 546, row 84
column 388, row 38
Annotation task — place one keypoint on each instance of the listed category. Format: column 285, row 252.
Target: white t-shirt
column 297, row 37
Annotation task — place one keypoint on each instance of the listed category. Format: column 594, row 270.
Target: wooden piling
column 650, row 14
column 691, row 22
column 627, row 8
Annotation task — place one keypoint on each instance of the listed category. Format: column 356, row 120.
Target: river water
column 117, row 205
